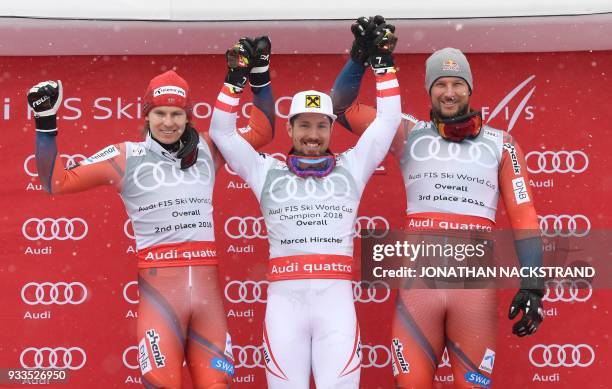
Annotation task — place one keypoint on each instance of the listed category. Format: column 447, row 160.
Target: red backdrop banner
column 68, row 267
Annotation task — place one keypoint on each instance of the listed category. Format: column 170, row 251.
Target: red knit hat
column 167, row 89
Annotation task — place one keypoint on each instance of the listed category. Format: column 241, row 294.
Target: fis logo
column 503, row 107
column 313, row 101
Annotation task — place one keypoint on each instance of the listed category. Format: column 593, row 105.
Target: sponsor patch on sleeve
column 513, row 157
column 520, row 191
column 102, row 155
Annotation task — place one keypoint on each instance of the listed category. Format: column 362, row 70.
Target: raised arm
column 355, row 116
column 344, row 97
column 103, row 168
column 260, row 129
column 374, row 144
column 239, row 154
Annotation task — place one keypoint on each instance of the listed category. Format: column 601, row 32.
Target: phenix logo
column 503, row 105
column 398, row 349
column 153, row 338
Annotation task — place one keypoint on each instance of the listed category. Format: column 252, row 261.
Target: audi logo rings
column 246, row 291
column 568, row 291
column 557, row 355
column 371, row 291
column 72, row 358
column 557, row 161
column 371, row 227
column 126, row 360
column 71, row 160
column 248, row 357
column 247, row 227
column 564, row 225
column 61, row 228
column 128, row 229
column 131, row 293
column 166, row 174
column 376, row 356
column 453, row 151
column 47, row 293
column 291, row 187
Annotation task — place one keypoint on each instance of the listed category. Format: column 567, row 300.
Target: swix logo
column 503, row 108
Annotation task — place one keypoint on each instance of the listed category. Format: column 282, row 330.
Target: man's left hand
column 530, row 302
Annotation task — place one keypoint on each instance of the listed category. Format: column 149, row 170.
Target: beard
column 460, row 112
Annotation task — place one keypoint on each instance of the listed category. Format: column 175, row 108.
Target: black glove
column 383, row 43
column 260, row 73
column 530, row 302
column 188, row 153
column 45, row 98
column 240, row 60
column 362, row 31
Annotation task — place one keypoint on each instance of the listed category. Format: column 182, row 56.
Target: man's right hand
column 382, row 44
column 362, row 30
column 240, row 59
column 45, row 98
column 260, row 72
